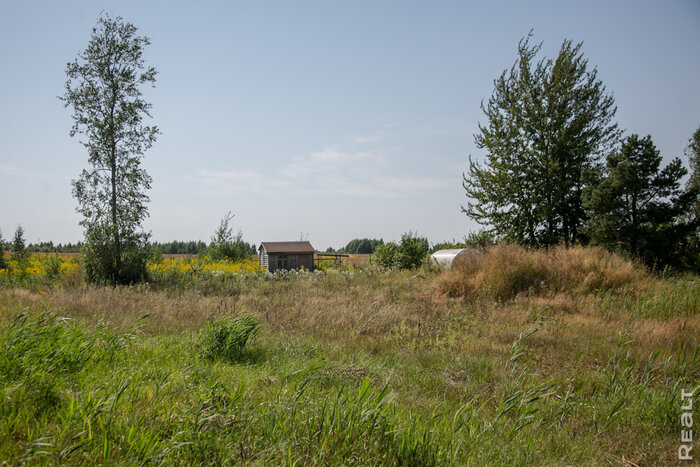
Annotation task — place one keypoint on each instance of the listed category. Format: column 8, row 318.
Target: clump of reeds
column 226, row 338
column 506, row 270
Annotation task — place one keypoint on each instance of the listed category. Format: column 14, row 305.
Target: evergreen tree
column 19, row 251
column 549, row 122
column 637, row 207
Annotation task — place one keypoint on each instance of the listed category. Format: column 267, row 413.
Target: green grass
column 361, row 368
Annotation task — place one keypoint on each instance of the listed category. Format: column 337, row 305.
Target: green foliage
column 224, row 245
column 3, row 262
column 43, row 344
column 19, row 250
column 49, row 247
column 692, row 152
column 548, row 123
column 451, row 245
column 103, row 88
column 226, row 338
column 637, row 208
column 46, row 344
column 410, row 253
column 362, row 245
column 105, row 262
column 385, row 255
column 180, row 248
column 481, row 239
column 691, row 247
column 52, row 266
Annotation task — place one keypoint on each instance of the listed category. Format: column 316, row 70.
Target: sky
column 321, row 120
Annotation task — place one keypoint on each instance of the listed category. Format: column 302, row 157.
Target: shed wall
column 271, row 262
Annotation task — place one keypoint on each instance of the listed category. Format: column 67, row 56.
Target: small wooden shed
column 286, row 255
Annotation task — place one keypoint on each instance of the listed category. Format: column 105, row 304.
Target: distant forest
column 191, row 247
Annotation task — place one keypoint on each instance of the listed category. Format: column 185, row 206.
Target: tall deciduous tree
column 692, row 151
column 692, row 244
column 637, row 208
column 104, row 91
column 549, row 123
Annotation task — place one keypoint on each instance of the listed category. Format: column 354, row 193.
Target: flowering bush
column 40, row 265
column 203, row 266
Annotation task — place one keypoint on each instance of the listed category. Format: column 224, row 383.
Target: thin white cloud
column 331, row 171
column 228, row 183
column 371, row 138
column 333, row 154
column 415, row 183
column 446, row 127
column 15, row 172
column 331, row 160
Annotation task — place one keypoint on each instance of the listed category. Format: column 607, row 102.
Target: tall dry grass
column 506, row 270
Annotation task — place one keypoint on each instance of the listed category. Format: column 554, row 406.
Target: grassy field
column 549, row 358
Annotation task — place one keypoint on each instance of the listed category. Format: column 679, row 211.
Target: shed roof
column 287, row 247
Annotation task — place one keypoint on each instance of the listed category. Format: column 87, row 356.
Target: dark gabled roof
column 287, row 247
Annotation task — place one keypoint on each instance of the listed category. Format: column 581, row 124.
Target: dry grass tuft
column 507, row 270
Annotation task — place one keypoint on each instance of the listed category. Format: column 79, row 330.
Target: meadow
column 558, row 357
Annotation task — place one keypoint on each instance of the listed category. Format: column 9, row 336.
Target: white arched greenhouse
column 447, row 258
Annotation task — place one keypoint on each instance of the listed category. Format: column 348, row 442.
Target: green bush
column 385, row 255
column 412, row 251
column 226, row 338
column 52, row 265
column 103, row 263
column 409, row 254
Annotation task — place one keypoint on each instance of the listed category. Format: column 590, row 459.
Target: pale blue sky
column 332, row 119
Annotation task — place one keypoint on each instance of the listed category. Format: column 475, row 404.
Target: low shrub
column 52, row 265
column 385, row 255
column 226, row 338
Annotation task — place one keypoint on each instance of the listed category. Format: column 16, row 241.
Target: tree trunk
column 117, row 239
column 113, row 169
column 633, row 238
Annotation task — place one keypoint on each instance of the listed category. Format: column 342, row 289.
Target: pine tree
column 637, row 207
column 19, row 255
